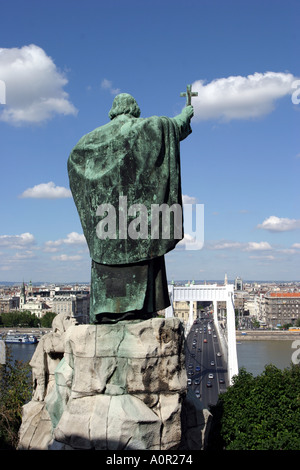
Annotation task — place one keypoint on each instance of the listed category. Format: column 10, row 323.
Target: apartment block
column 281, row 308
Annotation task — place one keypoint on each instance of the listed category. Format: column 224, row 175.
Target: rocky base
column 119, row 387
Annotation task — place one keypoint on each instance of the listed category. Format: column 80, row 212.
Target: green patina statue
column 125, row 181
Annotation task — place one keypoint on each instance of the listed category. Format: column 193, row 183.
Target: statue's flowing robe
column 138, row 160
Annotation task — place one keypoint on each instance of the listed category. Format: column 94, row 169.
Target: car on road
column 198, row 368
column 210, row 376
column 189, row 382
column 197, row 393
column 205, row 340
column 221, row 381
column 212, row 363
column 209, row 384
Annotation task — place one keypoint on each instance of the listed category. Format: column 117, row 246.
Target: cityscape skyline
column 61, row 73
column 294, row 283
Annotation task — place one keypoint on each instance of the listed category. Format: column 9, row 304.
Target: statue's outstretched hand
column 189, row 111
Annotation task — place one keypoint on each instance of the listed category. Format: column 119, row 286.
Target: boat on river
column 20, row 338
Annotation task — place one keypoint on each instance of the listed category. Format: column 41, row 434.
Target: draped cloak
column 138, row 160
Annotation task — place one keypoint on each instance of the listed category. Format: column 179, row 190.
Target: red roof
column 284, row 294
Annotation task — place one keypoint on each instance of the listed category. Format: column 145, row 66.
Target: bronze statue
column 126, row 184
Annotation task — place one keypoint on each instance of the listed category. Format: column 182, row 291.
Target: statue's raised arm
column 183, row 121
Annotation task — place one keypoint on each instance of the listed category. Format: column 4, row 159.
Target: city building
column 64, row 304
column 35, row 306
column 281, row 308
column 238, row 284
column 182, row 310
column 9, row 303
column 40, row 300
column 75, row 305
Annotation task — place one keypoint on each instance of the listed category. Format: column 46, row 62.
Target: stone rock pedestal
column 118, row 387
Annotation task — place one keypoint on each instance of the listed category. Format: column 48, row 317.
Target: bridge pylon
column 214, row 294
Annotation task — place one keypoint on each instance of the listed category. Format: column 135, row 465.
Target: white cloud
column 238, row 97
column 190, row 243
column 287, row 251
column 72, row 238
column 188, row 199
column 225, row 245
column 277, row 224
column 46, row 191
column 67, row 258
column 52, row 247
column 263, row 257
column 27, row 254
column 257, row 246
column 75, row 238
column 248, row 246
column 34, row 86
column 17, row 241
column 107, row 85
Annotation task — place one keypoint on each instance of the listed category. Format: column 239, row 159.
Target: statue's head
column 124, row 104
column 62, row 322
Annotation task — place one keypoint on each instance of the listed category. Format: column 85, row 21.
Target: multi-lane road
column 205, row 364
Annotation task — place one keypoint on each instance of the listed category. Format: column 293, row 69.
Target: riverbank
column 38, row 332
column 256, row 335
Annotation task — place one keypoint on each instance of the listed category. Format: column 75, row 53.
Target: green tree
column 9, row 319
column 47, row 319
column 15, row 391
column 255, row 323
column 29, row 319
column 19, row 319
column 259, row 413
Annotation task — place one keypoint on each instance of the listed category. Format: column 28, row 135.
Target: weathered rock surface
column 118, row 387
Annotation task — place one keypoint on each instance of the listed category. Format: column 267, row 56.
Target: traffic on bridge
column 206, row 367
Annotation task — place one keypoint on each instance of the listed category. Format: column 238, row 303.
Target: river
column 21, row 352
column 253, row 355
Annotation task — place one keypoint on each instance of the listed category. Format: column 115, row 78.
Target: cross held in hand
column 189, row 93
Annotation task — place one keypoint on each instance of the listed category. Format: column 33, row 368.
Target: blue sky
column 62, row 63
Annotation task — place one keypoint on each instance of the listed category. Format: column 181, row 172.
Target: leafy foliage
column 26, row 319
column 15, row 391
column 15, row 319
column 259, row 413
column 47, row 319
